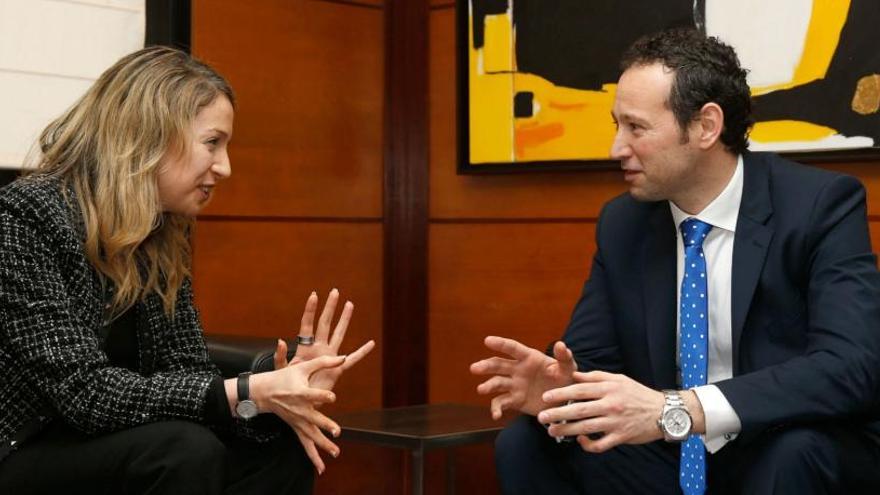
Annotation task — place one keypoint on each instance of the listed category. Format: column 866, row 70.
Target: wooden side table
column 422, row 428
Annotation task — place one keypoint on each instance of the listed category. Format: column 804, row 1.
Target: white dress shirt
column 722, row 422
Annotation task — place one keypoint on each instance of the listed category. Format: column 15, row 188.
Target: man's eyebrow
column 630, row 118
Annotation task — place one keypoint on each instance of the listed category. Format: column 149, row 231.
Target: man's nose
column 620, row 149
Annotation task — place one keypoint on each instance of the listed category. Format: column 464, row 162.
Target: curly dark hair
column 704, row 70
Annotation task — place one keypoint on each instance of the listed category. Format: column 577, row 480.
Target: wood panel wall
column 303, row 209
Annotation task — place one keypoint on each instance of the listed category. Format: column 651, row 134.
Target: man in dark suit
column 728, row 337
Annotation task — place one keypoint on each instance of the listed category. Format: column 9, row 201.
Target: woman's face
column 187, row 182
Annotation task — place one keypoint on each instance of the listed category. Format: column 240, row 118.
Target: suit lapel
column 751, row 241
column 659, row 263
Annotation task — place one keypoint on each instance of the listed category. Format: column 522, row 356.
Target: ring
column 307, row 340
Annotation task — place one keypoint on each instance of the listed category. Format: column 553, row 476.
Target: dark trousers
column 173, row 457
column 801, row 461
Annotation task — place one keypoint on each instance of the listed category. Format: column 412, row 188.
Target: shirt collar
column 723, row 211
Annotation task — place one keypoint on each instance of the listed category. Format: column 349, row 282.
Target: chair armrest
column 234, row 354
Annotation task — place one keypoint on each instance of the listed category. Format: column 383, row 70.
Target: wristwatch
column 565, row 439
column 675, row 421
column 245, row 408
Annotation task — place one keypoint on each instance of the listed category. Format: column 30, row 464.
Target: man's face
column 655, row 154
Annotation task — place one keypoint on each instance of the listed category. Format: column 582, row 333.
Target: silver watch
column 245, row 408
column 675, row 421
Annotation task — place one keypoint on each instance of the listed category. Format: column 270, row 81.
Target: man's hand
column 624, row 410
column 520, row 382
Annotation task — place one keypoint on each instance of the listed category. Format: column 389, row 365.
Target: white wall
column 50, row 53
column 769, row 35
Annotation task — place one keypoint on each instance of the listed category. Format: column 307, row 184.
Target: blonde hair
column 108, row 148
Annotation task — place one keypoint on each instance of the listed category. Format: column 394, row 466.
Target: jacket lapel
column 751, row 241
column 659, row 263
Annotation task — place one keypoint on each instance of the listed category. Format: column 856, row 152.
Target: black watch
column 245, row 408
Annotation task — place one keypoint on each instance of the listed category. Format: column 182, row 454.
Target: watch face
column 677, row 423
column 246, row 409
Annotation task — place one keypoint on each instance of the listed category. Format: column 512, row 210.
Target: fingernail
column 335, row 454
column 336, row 433
column 548, row 397
column 542, row 418
column 314, row 293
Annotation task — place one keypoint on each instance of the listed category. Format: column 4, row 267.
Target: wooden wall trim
column 498, row 220
column 286, row 219
column 405, row 366
column 355, row 3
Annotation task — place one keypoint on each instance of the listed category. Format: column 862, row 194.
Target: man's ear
column 710, row 124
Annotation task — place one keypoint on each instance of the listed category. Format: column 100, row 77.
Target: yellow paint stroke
column 536, row 135
column 823, row 35
column 789, row 130
column 584, row 117
column 498, row 46
column 574, row 124
column 527, row 125
column 491, row 100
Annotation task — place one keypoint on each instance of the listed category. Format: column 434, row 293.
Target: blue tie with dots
column 693, row 345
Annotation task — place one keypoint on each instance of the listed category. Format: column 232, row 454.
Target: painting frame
column 466, row 166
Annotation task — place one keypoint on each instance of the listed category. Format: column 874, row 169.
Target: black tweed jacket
column 52, row 310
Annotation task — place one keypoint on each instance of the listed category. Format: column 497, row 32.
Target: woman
column 107, row 386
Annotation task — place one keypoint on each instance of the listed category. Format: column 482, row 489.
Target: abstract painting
column 537, row 77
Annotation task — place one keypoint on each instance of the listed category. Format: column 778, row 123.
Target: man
column 728, row 336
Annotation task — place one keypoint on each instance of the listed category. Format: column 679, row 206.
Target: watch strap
column 564, row 439
column 243, row 386
column 673, row 398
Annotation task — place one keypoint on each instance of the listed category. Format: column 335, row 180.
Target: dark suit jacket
column 805, row 298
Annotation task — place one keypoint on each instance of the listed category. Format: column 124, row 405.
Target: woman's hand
column 324, row 344
column 286, row 393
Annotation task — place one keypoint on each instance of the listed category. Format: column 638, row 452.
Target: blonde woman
column 107, row 386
